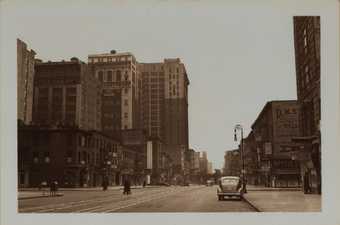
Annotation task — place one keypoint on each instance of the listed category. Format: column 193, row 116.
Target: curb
column 279, row 189
column 251, row 204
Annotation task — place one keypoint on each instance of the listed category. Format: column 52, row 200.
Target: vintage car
column 230, row 186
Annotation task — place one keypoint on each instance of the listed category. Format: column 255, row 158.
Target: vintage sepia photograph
column 163, row 107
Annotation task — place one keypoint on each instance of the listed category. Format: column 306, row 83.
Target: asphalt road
column 162, row 199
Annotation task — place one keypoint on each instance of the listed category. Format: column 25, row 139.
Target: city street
column 158, row 199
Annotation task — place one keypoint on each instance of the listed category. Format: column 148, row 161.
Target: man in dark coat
column 306, row 185
column 105, row 183
column 127, row 187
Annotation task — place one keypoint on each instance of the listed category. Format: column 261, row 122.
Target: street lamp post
column 240, row 128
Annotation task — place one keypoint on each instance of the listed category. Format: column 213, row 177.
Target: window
column 305, row 37
column 306, row 69
column 307, row 78
column 126, row 76
column 119, row 76
column 109, row 76
column 126, row 102
column 125, row 115
column 100, row 76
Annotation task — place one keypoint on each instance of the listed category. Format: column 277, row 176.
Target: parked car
column 229, row 186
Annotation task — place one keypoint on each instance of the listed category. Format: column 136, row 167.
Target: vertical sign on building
column 149, row 155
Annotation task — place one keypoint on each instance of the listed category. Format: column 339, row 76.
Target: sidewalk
column 263, row 188
column 283, row 201
column 29, row 193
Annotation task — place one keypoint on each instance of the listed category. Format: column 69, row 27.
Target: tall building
column 204, row 164
column 176, row 109
column 273, row 130
column 152, row 98
column 210, row 168
column 25, row 82
column 232, row 163
column 66, row 94
column 307, row 64
column 120, row 104
column 164, row 105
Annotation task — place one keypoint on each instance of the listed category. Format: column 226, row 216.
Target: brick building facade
column 66, row 94
column 307, row 63
column 273, row 129
column 25, row 82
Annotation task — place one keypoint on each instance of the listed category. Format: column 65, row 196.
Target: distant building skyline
column 229, row 62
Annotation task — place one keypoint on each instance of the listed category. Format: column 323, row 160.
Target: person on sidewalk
column 52, row 188
column 127, row 187
column 105, row 183
column 306, row 185
column 144, row 184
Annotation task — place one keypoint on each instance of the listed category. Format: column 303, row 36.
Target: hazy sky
column 238, row 55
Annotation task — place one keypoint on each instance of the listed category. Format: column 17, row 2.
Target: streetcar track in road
column 147, row 200
column 101, row 208
column 82, row 203
column 59, row 206
column 132, row 202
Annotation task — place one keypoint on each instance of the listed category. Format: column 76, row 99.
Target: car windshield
column 229, row 181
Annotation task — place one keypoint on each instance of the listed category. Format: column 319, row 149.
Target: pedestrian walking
column 144, row 184
column 306, row 186
column 127, row 187
column 105, row 183
column 52, row 188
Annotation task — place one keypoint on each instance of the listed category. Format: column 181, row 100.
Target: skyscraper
column 118, row 74
column 25, row 82
column 164, row 105
column 307, row 63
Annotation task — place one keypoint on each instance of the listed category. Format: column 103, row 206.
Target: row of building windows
column 175, row 69
column 88, row 141
column 173, row 76
column 111, row 59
